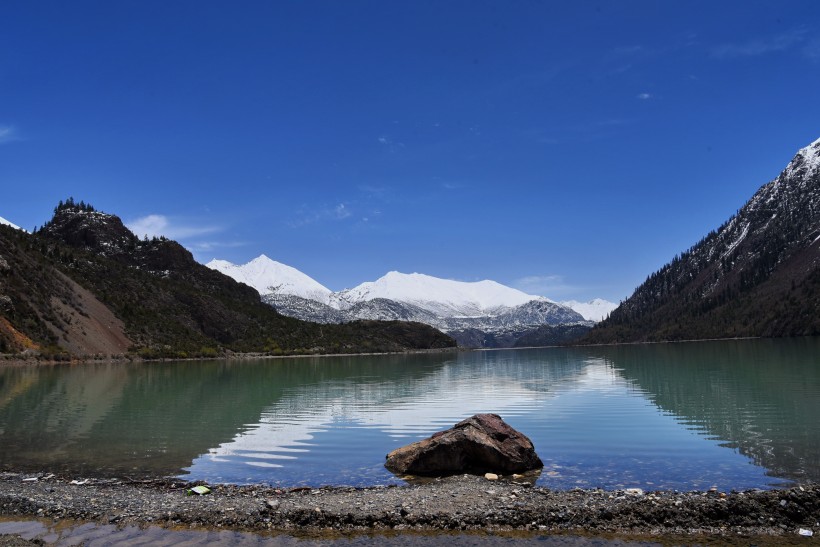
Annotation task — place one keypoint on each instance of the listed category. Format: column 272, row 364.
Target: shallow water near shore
column 733, row 414
column 90, row 534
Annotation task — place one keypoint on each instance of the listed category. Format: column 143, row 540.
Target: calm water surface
column 735, row 414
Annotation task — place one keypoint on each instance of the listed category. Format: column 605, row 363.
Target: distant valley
column 476, row 314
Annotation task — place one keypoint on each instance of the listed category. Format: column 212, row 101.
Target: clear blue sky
column 565, row 148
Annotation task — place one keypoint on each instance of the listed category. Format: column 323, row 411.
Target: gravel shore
column 466, row 503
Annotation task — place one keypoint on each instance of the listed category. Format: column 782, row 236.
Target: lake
column 733, row 414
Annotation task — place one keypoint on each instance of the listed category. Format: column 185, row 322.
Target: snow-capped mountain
column 486, row 310
column 8, row 223
column 594, row 310
column 270, row 277
column 442, row 297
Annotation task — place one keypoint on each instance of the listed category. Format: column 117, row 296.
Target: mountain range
column 758, row 274
column 477, row 314
column 84, row 285
column 5, row 222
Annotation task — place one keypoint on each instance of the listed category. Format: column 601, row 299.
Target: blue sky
column 565, row 148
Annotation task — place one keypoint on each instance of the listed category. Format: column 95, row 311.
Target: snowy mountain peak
column 444, row 297
column 270, row 277
column 263, row 260
column 806, row 162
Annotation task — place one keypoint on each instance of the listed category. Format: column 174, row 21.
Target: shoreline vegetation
column 462, row 503
column 33, row 360
column 40, row 359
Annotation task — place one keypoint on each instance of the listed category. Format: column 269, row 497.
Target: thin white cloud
column 341, row 211
column 761, row 46
column 644, row 96
column 325, row 213
column 391, row 145
column 8, row 134
column 161, row 225
column 206, row 246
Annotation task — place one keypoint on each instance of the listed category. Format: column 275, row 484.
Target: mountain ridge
column 84, row 271
column 443, row 297
column 481, row 310
column 4, row 222
column 593, row 310
column 758, row 274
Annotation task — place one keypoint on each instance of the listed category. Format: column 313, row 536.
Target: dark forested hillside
column 84, row 276
column 756, row 275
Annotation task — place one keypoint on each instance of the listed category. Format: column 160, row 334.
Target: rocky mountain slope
column 756, row 275
column 477, row 314
column 4, row 222
column 84, row 276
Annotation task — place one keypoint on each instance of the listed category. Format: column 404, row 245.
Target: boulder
column 481, row 444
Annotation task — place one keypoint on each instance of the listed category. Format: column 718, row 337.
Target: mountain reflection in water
column 735, row 413
column 759, row 397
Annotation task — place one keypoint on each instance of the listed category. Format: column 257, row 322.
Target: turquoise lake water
column 732, row 414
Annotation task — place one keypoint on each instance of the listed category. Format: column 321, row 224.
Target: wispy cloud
column 762, row 46
column 207, row 246
column 324, row 213
column 341, row 211
column 644, row 96
column 161, row 225
column 390, row 144
column 8, row 134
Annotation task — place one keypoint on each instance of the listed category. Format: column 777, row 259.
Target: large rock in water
column 480, row 444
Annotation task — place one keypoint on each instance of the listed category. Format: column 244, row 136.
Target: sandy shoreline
column 465, row 503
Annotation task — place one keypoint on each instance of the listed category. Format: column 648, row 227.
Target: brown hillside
column 84, row 284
